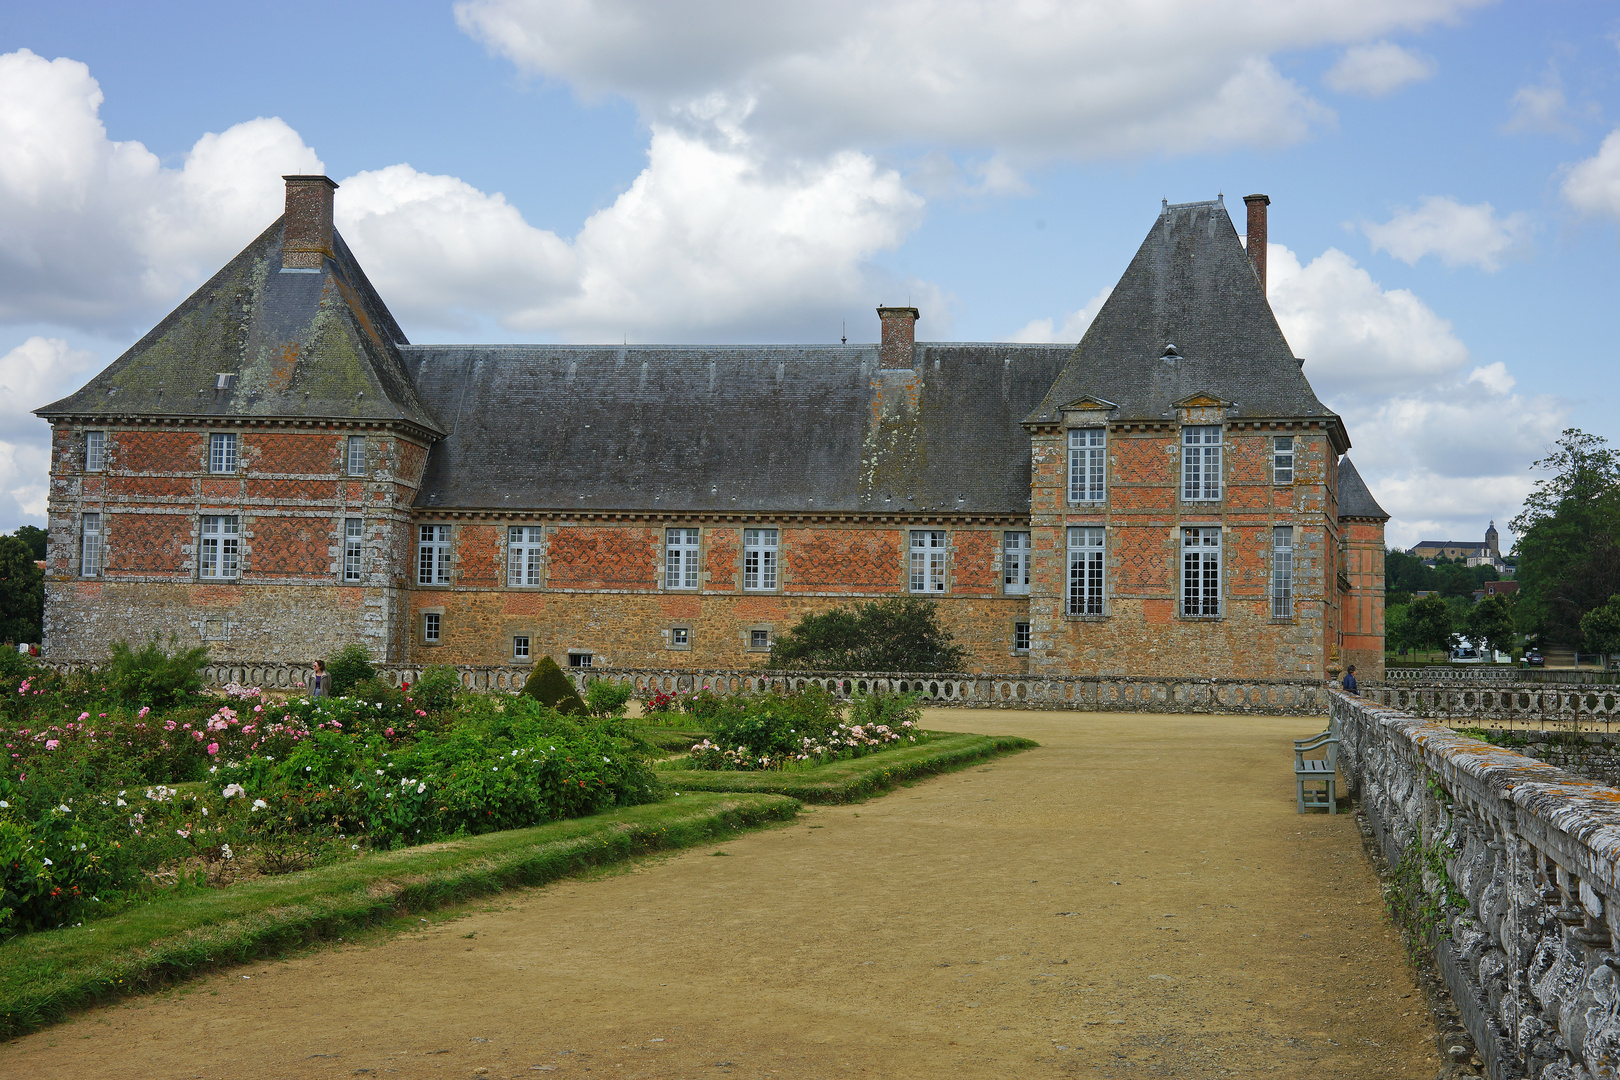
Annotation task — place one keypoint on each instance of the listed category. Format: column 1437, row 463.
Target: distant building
column 1475, row 552
column 1499, row 588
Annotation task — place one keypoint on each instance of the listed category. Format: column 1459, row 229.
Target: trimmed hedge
column 44, row 975
column 855, row 779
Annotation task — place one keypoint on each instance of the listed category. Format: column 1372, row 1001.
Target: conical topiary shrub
column 548, row 685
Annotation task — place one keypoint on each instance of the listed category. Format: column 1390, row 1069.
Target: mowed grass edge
column 858, row 778
column 45, row 975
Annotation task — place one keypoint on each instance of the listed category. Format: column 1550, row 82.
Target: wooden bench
column 1319, row 773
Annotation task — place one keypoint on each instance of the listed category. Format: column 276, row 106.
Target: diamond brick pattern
column 290, row 547
column 842, row 560
column 146, row 543
column 589, row 557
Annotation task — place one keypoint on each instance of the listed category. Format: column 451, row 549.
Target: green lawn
column 45, row 974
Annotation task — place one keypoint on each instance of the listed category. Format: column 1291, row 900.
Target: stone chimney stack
column 306, row 241
column 899, row 336
column 1257, row 235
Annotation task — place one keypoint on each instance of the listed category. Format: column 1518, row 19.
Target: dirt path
column 1135, row 899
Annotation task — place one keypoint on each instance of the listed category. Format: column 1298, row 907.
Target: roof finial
column 843, row 332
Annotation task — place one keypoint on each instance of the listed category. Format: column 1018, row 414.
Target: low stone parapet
column 1515, row 704
column 1518, row 863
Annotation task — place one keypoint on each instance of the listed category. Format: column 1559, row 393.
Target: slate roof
column 1355, row 500
column 1190, row 285
column 746, row 428
column 302, row 345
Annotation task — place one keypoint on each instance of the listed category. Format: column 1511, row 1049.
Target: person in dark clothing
column 317, row 681
column 1350, row 680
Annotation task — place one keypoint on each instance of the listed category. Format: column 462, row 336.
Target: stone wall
column 1531, row 854
column 1511, row 705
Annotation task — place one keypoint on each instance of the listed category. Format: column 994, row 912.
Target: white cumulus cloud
column 1459, row 235
column 1087, row 79
column 1593, row 186
column 35, row 373
column 1074, row 325
column 1378, row 69
column 1542, row 107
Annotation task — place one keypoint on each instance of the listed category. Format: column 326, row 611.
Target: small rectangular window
column 430, row 628
column 759, row 560
column 927, row 561
column 222, row 452
column 1087, row 464
column 1282, row 459
column 680, row 637
column 1086, row 571
column 520, row 647
column 1282, row 572
column 95, row 451
column 1201, row 464
column 353, row 547
column 1021, row 637
column 680, row 558
column 1015, row 562
column 579, row 659
column 759, row 639
column 523, row 550
column 1201, row 572
column 90, row 545
column 357, row 455
column 433, row 555
column 220, row 550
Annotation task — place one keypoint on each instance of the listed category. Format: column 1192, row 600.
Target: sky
column 1444, row 176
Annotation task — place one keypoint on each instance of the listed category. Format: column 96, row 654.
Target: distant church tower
column 1490, row 541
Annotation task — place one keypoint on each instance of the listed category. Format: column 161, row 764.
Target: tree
column 22, row 592
column 1428, row 623
column 548, row 685
column 1600, row 628
column 1405, row 573
column 1490, row 623
column 35, row 537
column 1568, row 549
column 347, row 666
column 1396, row 636
column 899, row 634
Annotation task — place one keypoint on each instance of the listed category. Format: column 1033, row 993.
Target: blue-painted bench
column 1316, row 777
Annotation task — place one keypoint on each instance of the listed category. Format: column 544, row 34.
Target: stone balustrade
column 1520, row 865
column 1491, row 675
column 1505, row 705
column 1086, row 693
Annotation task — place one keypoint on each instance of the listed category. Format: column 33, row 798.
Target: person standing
column 1350, row 680
column 317, row 681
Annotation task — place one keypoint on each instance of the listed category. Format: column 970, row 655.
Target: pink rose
column 213, row 748
column 52, row 744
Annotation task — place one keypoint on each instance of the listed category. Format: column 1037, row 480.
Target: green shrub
column 436, row 690
column 153, row 676
column 53, row 867
column 902, row 633
column 348, row 666
column 608, row 699
column 548, row 685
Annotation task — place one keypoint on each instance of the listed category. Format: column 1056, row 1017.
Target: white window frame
column 219, row 548
column 1282, row 572
column 1088, row 575
column 1088, row 464
column 680, row 636
column 433, row 555
column 354, row 548
column 432, row 627
column 1201, row 572
column 928, row 548
column 222, row 452
column 1021, row 636
column 90, row 545
column 95, row 451
column 760, row 548
column 681, row 549
column 520, row 647
column 1201, row 463
column 580, row 659
column 1282, row 459
column 354, row 462
column 759, row 639
column 524, row 556
column 1015, row 560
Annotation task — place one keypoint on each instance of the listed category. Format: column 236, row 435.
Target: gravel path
column 1137, row 898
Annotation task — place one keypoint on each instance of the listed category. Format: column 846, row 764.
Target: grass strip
column 46, row 974
column 855, row 779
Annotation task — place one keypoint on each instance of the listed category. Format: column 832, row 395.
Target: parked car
column 1533, row 658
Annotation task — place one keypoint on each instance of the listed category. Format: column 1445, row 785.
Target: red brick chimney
column 1257, row 235
column 899, row 336
column 306, row 241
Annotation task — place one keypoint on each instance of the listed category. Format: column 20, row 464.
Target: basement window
column 520, row 648
column 430, row 628
column 579, row 659
column 1021, row 637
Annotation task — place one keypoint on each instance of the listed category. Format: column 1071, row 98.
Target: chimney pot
column 1256, row 241
column 899, row 336
column 306, row 239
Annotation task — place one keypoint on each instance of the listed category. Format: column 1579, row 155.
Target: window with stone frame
column 1282, row 459
column 220, row 547
column 928, row 547
column 1021, row 637
column 222, row 452
column 95, row 451
column 1201, row 572
column 355, row 455
column 1088, row 464
column 1282, row 572
column 520, row 648
column 759, row 560
column 1086, row 570
column 354, row 532
column 1015, row 552
column 433, row 555
column 90, row 545
column 1201, row 464
column 524, row 551
column 681, row 558
column 430, row 627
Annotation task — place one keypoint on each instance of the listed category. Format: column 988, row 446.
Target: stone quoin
column 275, row 471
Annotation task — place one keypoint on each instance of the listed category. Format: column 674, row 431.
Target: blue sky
column 1445, row 177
